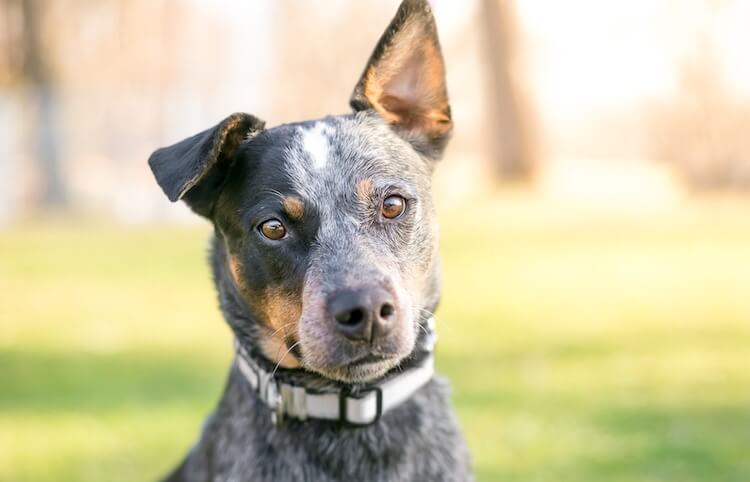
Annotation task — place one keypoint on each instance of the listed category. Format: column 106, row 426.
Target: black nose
column 362, row 314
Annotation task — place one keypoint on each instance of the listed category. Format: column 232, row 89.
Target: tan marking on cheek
column 274, row 349
column 282, row 311
column 235, row 267
column 294, row 207
column 365, row 190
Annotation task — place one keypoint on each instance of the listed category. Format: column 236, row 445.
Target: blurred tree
column 509, row 130
column 37, row 74
column 10, row 57
column 701, row 129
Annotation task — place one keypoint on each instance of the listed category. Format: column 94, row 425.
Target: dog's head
column 326, row 228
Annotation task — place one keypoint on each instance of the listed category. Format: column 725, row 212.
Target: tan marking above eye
column 294, row 207
column 393, row 206
column 364, row 191
column 273, row 229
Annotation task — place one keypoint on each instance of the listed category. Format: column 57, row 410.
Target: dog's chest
column 417, row 441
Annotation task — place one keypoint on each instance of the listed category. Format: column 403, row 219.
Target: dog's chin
column 358, row 372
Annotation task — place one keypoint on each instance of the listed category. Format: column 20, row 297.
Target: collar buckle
column 346, row 394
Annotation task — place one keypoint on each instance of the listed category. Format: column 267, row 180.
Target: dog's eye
column 273, row 229
column 393, row 206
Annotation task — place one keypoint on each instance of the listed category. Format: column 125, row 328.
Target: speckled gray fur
column 418, row 441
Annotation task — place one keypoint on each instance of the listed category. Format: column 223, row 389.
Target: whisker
column 282, row 327
column 278, row 350
column 430, row 314
column 282, row 341
column 283, row 356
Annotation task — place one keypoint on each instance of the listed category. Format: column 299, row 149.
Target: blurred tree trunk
column 702, row 128
column 45, row 127
column 509, row 127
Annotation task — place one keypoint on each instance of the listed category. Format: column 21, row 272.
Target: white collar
column 366, row 408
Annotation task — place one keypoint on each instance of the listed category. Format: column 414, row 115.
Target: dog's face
column 327, row 228
column 330, row 236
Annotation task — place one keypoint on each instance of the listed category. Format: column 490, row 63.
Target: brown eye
column 273, row 229
column 393, row 206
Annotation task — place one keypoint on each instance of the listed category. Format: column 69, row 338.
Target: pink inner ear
column 405, row 84
column 414, row 94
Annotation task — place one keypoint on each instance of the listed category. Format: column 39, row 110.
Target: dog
column 325, row 261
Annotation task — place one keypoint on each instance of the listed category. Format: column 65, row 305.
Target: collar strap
column 364, row 408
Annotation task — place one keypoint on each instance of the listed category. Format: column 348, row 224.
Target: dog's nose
column 362, row 314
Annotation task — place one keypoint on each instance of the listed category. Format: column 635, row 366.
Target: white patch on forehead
column 315, row 142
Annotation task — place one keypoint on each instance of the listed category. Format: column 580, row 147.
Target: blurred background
column 594, row 226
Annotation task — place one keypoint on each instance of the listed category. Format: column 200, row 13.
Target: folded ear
column 404, row 81
column 195, row 169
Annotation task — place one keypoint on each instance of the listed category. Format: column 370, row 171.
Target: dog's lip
column 369, row 358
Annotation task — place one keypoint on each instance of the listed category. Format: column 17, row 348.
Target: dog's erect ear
column 195, row 169
column 404, row 81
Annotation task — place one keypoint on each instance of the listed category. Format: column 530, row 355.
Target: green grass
column 582, row 346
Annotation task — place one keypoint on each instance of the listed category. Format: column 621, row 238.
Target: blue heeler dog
column 325, row 259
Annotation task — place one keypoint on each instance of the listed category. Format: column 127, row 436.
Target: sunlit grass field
column 583, row 345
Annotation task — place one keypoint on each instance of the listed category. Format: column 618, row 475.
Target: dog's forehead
column 326, row 158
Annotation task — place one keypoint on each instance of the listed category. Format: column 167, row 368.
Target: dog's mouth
column 368, row 359
column 358, row 369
